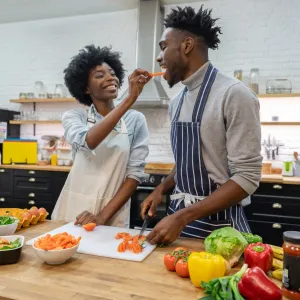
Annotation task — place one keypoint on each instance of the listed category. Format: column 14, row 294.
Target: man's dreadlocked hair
column 201, row 24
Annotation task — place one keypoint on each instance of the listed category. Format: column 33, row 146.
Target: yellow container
column 19, row 151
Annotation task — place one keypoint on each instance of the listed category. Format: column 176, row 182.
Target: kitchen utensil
column 146, row 222
column 254, row 80
column 11, row 256
column 101, row 241
column 296, row 155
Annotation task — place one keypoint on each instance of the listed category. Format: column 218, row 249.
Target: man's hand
column 167, row 230
column 151, row 202
column 87, row 217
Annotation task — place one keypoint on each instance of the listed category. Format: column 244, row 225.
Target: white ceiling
column 27, row 10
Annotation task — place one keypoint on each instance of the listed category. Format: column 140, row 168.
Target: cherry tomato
column 182, row 268
column 169, row 261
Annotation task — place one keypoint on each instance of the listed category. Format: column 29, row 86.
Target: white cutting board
column 101, row 241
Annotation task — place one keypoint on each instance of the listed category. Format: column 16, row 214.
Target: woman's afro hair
column 77, row 72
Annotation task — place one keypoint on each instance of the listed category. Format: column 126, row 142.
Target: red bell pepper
column 255, row 285
column 259, row 255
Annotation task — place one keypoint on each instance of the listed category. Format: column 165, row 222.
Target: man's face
column 171, row 56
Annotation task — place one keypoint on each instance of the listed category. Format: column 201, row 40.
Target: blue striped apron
column 192, row 181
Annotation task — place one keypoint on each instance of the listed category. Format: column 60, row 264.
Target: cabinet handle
column 277, row 205
column 2, row 199
column 276, row 226
column 32, row 179
column 31, row 172
column 31, row 195
column 2, row 170
column 277, row 187
column 31, row 202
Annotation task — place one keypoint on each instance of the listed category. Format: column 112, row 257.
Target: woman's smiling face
column 103, row 83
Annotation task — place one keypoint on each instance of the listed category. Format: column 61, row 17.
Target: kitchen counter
column 93, row 277
column 153, row 168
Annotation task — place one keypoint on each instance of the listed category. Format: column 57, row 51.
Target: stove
column 141, row 193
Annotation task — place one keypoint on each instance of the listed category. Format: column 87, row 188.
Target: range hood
column 150, row 28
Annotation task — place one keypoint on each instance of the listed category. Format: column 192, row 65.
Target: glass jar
column 279, row 86
column 254, row 80
column 291, row 265
column 238, row 74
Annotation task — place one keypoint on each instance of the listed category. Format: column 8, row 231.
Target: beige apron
column 95, row 178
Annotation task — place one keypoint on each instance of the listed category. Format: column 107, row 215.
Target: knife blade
column 145, row 224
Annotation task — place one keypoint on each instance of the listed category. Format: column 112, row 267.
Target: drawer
column 272, row 233
column 32, row 173
column 38, row 197
column 8, row 202
column 273, row 205
column 6, row 182
column 26, row 185
column 278, row 189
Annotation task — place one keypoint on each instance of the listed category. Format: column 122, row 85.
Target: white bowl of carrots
column 56, row 249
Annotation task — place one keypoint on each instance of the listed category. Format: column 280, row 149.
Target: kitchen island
column 93, row 277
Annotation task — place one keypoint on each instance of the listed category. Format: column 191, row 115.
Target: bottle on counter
column 291, row 265
column 254, row 80
column 54, row 158
column 238, row 74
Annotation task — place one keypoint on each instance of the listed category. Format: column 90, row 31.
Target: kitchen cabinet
column 27, row 188
column 274, row 208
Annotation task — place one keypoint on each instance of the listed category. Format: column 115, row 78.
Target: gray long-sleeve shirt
column 230, row 129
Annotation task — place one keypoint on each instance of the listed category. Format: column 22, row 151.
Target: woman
column 109, row 143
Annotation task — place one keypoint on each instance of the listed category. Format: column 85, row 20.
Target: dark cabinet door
column 6, row 182
column 272, row 232
column 265, row 207
column 59, row 180
column 23, row 186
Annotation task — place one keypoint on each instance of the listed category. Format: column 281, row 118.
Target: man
column 215, row 135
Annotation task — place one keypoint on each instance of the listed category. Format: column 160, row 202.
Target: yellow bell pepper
column 204, row 266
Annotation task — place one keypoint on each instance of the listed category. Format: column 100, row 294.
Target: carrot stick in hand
column 157, row 74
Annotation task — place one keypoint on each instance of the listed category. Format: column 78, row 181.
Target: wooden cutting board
column 101, row 241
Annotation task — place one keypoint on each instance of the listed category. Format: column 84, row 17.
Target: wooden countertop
column 93, row 277
column 153, row 168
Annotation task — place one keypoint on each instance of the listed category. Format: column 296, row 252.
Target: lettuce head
column 227, row 242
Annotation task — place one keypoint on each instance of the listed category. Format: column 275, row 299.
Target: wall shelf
column 295, row 95
column 280, row 123
column 43, row 100
column 20, row 122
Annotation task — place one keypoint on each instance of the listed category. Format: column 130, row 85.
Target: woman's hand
column 137, row 80
column 87, row 217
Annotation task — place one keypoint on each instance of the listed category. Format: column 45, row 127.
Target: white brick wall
column 263, row 34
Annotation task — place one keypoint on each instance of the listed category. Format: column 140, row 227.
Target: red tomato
column 182, row 268
column 89, row 227
column 169, row 261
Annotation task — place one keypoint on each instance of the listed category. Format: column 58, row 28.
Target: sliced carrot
column 57, row 242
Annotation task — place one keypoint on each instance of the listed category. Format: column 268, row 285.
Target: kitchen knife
column 145, row 224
